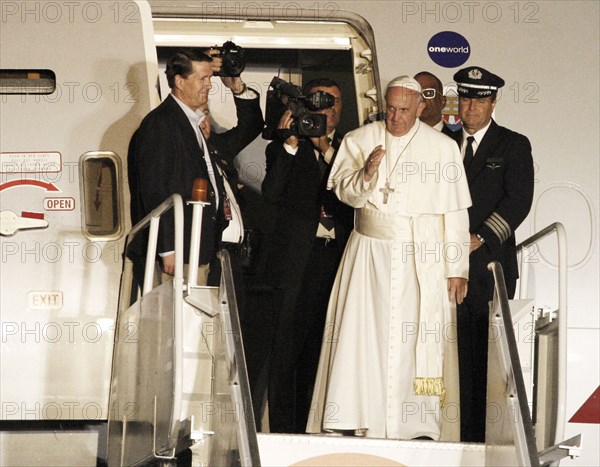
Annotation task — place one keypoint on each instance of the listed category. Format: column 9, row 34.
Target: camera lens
column 307, row 123
column 233, row 60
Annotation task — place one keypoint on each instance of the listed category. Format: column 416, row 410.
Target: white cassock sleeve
column 456, row 243
column 347, row 173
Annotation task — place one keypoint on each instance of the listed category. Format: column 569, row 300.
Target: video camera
column 286, row 96
column 233, row 60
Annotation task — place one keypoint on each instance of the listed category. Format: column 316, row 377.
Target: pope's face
column 475, row 114
column 403, row 107
column 193, row 90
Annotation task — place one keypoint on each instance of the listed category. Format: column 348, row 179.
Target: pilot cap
column 476, row 82
column 405, row 81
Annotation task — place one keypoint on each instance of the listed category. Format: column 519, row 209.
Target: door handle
column 11, row 222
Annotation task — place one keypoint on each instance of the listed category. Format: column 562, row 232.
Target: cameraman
column 311, row 229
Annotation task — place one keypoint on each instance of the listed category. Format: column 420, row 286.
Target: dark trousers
column 472, row 330
column 300, row 317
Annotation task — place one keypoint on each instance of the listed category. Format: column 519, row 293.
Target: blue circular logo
column 448, row 49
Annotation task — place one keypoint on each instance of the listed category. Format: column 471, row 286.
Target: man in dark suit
column 432, row 91
column 168, row 152
column 499, row 169
column 311, row 229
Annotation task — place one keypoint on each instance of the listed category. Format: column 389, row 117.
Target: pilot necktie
column 469, row 152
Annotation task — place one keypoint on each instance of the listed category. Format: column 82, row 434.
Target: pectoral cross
column 386, row 190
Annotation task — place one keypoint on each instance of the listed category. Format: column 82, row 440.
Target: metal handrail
column 238, row 374
column 562, row 314
column 523, row 435
column 153, row 219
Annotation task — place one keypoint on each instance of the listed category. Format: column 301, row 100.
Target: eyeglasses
column 429, row 93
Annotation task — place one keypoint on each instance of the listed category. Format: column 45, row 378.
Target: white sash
column 434, row 305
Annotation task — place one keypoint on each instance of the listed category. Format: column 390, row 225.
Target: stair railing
column 525, row 249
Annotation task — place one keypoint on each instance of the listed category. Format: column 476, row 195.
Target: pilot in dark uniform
column 499, row 169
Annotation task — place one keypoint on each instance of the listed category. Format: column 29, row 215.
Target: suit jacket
column 501, row 185
column 164, row 158
column 295, row 185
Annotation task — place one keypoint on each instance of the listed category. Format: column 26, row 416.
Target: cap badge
column 475, row 74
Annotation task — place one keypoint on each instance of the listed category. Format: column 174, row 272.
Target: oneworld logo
column 448, row 49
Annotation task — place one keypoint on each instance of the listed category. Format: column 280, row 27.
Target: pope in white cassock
column 388, row 366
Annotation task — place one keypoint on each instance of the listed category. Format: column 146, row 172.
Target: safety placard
column 30, row 162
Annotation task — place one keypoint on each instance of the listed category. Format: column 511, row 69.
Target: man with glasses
column 435, row 101
column 499, row 169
